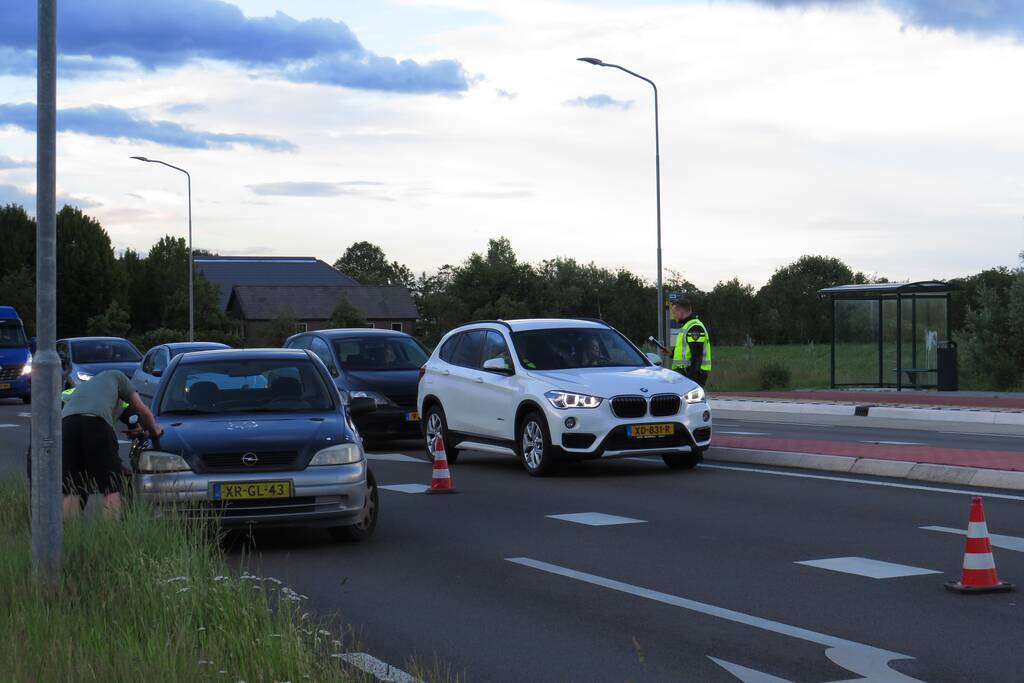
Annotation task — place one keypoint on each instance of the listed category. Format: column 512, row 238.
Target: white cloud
column 783, row 133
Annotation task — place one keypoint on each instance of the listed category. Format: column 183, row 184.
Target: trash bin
column 948, row 380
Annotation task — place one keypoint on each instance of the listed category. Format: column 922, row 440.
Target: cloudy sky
column 886, row 133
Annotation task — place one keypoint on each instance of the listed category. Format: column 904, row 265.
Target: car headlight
column 159, row 462
column 564, row 400
column 83, row 376
column 27, row 370
column 695, row 395
column 380, row 399
column 342, row 454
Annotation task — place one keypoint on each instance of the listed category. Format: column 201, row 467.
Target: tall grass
column 148, row 600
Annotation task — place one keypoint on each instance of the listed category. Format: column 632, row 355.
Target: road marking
column 24, row 414
column 865, row 482
column 405, row 488
column 870, row 662
column 394, row 457
column 8, row 425
column 381, row 671
column 999, row 541
column 597, row 519
column 863, row 566
column 895, row 443
column 720, row 431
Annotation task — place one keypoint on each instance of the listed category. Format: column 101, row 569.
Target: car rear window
column 379, row 353
column 250, row 385
column 104, row 351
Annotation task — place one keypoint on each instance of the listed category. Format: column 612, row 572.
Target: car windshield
column 11, row 335
column 379, row 353
column 562, row 349
column 104, row 351
column 244, row 386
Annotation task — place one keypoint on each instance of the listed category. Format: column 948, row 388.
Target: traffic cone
column 441, row 481
column 979, row 572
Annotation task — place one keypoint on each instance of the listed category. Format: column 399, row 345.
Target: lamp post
column 657, row 185
column 191, row 300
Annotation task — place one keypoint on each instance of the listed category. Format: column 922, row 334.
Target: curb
column 993, row 417
column 900, row 469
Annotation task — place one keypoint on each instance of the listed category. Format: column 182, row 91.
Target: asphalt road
column 489, row 584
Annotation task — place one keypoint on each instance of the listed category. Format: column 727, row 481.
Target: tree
column 19, row 240
column 346, row 315
column 730, row 311
column 789, row 308
column 86, row 275
column 993, row 335
column 367, row 264
column 276, row 331
column 18, row 289
column 113, row 322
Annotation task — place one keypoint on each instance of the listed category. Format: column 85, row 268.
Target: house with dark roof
column 229, row 272
column 257, row 289
column 311, row 306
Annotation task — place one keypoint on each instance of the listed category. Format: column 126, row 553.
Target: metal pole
column 191, row 298
column 662, row 331
column 47, row 524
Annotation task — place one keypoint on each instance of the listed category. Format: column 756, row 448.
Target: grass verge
column 148, row 600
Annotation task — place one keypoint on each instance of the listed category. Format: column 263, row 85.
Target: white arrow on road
column 871, row 663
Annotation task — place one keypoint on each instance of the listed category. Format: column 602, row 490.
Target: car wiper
column 188, row 411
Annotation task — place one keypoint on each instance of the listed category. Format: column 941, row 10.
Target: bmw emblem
column 643, row 390
column 249, row 459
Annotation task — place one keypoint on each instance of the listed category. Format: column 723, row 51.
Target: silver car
column 257, row 437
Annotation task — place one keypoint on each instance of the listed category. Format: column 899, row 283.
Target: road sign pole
column 47, row 524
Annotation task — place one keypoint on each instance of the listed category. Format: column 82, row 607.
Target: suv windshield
column 11, row 334
column 241, row 386
column 379, row 353
column 104, row 351
column 562, row 349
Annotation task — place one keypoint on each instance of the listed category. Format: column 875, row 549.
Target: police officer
column 692, row 355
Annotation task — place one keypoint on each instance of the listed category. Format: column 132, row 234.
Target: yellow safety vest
column 681, row 358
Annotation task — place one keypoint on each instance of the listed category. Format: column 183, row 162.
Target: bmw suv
column 550, row 390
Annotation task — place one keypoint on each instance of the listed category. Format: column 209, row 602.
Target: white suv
column 544, row 390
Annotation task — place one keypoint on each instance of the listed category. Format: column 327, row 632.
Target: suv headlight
column 158, row 462
column 380, row 399
column 695, row 395
column 27, row 370
column 342, row 454
column 563, row 400
column 83, row 376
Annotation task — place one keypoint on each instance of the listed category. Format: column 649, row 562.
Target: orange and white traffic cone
column 441, row 481
column 979, row 571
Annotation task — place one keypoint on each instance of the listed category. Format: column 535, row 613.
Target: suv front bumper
column 600, row 434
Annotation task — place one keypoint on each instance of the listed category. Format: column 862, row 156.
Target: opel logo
column 249, row 459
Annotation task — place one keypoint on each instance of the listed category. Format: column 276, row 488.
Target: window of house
column 397, row 327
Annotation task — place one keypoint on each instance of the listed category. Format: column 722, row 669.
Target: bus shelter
column 892, row 335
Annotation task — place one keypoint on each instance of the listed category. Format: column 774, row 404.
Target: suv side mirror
column 498, row 364
column 156, row 372
column 654, row 358
column 361, row 405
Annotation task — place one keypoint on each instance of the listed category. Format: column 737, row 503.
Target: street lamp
column 191, row 301
column 657, row 184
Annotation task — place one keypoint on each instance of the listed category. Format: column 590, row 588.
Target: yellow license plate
column 4, row 386
column 412, row 417
column 650, row 431
column 251, row 490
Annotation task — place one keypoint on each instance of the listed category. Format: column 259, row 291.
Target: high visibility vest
column 65, row 396
column 681, row 358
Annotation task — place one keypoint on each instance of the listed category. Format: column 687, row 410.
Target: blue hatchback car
column 256, row 437
column 383, row 365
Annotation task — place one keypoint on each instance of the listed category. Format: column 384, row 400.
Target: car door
column 142, row 379
column 459, row 393
column 160, row 362
column 493, row 391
